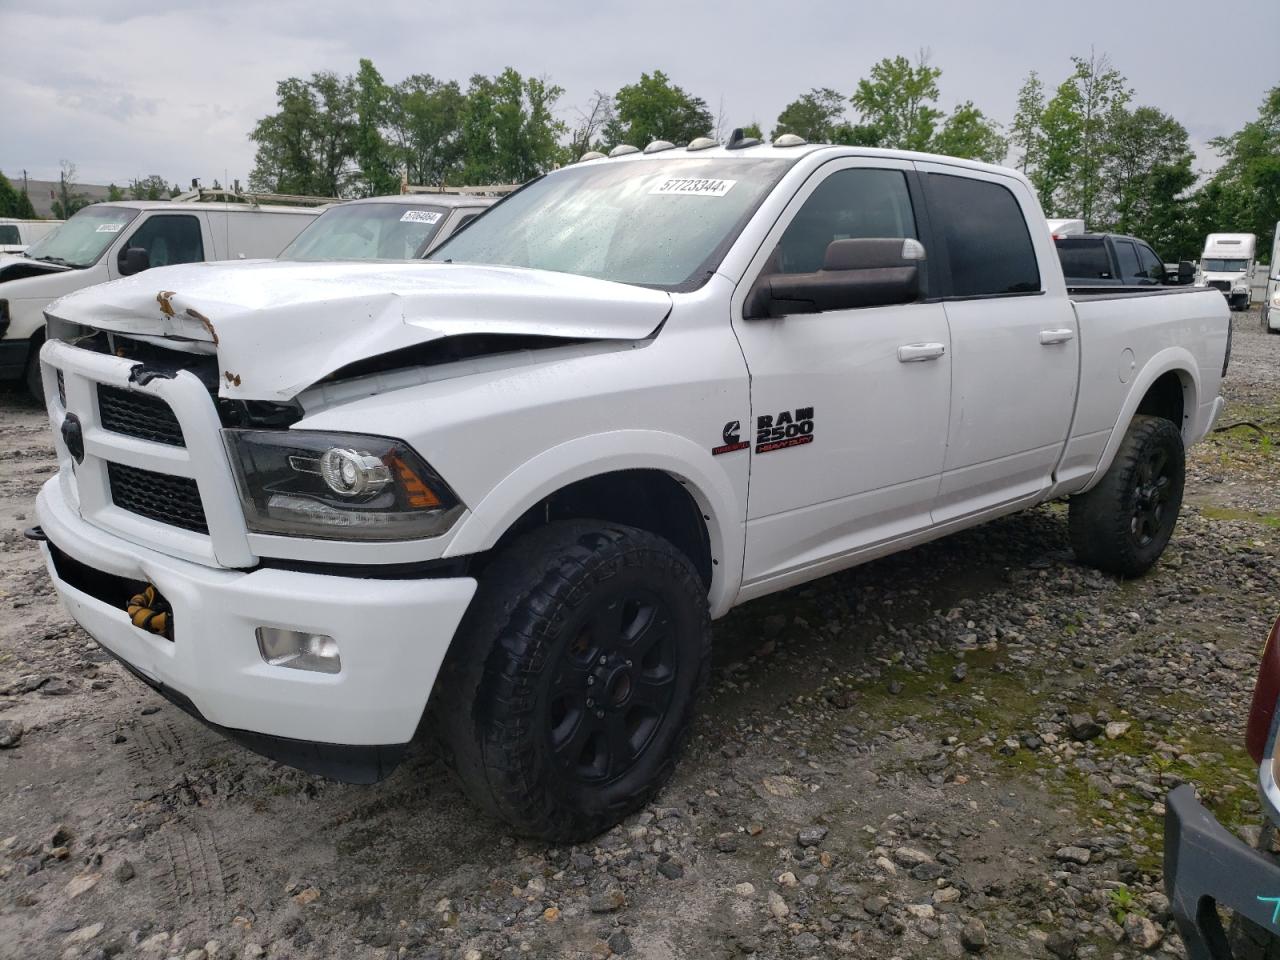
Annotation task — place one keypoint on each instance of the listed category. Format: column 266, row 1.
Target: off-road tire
column 1110, row 527
column 524, row 641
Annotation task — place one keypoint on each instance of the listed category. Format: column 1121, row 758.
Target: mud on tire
column 570, row 686
column 1123, row 524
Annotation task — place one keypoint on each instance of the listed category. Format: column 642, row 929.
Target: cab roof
column 428, row 200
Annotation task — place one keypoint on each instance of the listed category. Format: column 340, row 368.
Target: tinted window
column 986, row 237
column 1152, row 266
column 9, row 233
column 169, row 239
column 1127, row 260
column 1084, row 259
column 368, row 231
column 849, row 204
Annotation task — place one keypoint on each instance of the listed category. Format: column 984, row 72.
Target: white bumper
column 392, row 635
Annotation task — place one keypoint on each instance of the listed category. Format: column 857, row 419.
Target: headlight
column 1275, row 298
column 337, row 486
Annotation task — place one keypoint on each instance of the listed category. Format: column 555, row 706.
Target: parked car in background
column 1206, row 867
column 16, row 235
column 401, row 227
column 106, row 241
column 1271, row 299
column 1227, row 265
column 518, row 480
column 1112, row 259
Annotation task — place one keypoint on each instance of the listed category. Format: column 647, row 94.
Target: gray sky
column 128, row 89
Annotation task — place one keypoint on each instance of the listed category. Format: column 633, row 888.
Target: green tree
column 509, row 131
column 816, row 116
column 154, row 187
column 426, row 122
column 752, row 129
column 114, row 193
column 1101, row 94
column 373, row 153
column 69, row 199
column 1026, row 133
column 969, row 134
column 898, row 99
column 1250, row 173
column 1146, row 169
column 1060, row 128
column 653, row 108
column 8, row 198
column 308, row 145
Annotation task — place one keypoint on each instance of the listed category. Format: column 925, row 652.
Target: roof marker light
column 790, row 140
column 659, row 145
column 591, row 155
column 701, row 143
column 622, row 149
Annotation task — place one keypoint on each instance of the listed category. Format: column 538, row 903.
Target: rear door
column 849, row 406
column 1014, row 351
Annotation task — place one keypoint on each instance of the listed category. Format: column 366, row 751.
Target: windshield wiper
column 57, row 260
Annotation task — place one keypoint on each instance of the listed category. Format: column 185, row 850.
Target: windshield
column 81, row 240
column 1223, row 266
column 368, row 231
column 659, row 223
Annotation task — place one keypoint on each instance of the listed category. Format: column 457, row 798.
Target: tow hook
column 37, row 534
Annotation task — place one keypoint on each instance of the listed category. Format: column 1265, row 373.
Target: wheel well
column 652, row 500
column 1166, row 398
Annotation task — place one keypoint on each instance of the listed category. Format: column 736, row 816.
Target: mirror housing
column 133, row 260
column 874, row 272
column 1186, row 273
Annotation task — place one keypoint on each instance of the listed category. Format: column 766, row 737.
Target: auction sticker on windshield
column 109, row 227
column 420, row 216
column 694, row 186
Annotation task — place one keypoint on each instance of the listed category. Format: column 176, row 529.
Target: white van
column 404, row 226
column 106, row 241
column 16, row 235
column 1227, row 265
column 1271, row 301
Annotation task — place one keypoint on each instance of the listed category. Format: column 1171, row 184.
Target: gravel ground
column 958, row 750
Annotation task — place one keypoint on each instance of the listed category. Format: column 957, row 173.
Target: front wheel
column 1123, row 524
column 571, row 684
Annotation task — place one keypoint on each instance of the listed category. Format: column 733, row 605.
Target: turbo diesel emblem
column 732, row 436
column 790, row 428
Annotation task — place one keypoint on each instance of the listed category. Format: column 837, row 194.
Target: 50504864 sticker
column 790, row 428
column 693, row 187
column 420, row 216
column 110, row 227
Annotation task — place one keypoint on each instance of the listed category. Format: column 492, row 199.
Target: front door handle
column 919, row 352
column 1056, row 336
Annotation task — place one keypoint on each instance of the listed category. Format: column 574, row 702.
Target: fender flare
column 1177, row 360
column 596, row 454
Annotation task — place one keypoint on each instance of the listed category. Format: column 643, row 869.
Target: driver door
column 849, row 406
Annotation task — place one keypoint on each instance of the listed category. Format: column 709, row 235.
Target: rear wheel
column 1124, row 523
column 571, row 684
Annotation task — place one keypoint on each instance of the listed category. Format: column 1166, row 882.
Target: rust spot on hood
column 232, row 378
column 205, row 322
column 162, row 298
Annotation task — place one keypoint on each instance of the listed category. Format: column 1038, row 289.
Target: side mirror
column 855, row 273
column 133, row 260
column 1186, row 271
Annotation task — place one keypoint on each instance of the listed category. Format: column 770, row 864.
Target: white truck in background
column 106, row 241
column 513, row 484
column 16, row 235
column 1271, row 298
column 1227, row 265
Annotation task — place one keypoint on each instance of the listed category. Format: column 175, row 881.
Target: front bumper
column 392, row 634
column 1206, row 866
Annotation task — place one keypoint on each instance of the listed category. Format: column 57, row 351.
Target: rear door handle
column 1056, row 336
column 919, row 352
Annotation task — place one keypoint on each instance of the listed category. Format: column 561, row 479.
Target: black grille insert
column 138, row 415
column 157, row 496
column 1223, row 285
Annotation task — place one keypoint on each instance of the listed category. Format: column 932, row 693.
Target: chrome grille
column 138, row 415
column 157, row 496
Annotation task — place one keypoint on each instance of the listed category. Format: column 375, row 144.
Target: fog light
column 299, row 650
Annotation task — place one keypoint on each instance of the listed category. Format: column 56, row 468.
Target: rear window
column 1084, row 259
column 986, row 236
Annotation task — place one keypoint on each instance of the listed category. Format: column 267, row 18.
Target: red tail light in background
column 1266, row 691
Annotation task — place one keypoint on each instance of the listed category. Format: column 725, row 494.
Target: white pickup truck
column 303, row 500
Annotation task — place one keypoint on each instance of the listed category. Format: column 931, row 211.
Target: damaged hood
column 277, row 327
column 17, row 267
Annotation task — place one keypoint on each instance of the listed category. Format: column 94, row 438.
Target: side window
column 986, row 237
column 1084, row 259
column 1127, row 260
column 9, row 233
column 169, row 239
column 860, row 203
column 1152, row 266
